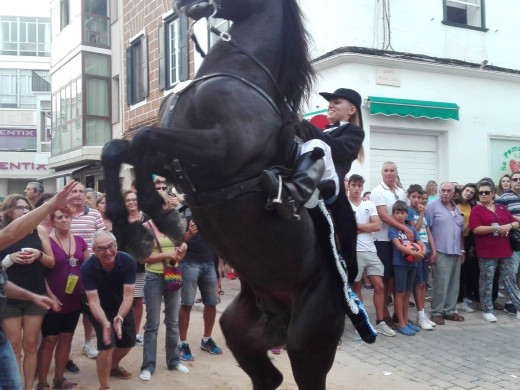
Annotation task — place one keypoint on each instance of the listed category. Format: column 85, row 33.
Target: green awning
column 415, row 108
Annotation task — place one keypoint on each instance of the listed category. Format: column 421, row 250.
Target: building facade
column 86, row 88
column 439, row 79
column 25, row 109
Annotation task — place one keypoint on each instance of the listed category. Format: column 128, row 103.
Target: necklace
column 72, row 260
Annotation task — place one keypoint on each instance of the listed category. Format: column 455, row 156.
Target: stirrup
column 283, row 205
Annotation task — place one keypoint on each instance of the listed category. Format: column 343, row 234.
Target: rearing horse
column 213, row 140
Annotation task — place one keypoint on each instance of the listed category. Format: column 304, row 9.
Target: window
column 465, row 13
column 173, row 52
column 16, row 87
column 64, row 14
column 137, row 70
column 23, row 36
column 97, row 23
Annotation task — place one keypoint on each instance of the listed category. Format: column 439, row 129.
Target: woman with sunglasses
column 28, row 258
column 491, row 224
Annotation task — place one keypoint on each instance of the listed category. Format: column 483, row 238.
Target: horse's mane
column 296, row 74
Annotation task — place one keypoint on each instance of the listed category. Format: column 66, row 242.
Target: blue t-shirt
column 413, row 215
column 109, row 285
column 398, row 256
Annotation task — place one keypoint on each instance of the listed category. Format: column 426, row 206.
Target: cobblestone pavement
column 472, row 354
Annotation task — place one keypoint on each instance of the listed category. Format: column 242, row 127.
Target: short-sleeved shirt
column 363, row 212
column 398, row 256
column 446, row 227
column 511, row 200
column 57, row 277
column 198, row 251
column 413, row 215
column 490, row 246
column 86, row 224
column 382, row 196
column 109, row 285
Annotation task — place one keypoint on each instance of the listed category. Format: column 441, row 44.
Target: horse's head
column 225, row 9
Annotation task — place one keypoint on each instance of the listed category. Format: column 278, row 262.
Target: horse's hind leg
column 246, row 337
column 314, row 332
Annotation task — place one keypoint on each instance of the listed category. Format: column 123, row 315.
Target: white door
column 414, row 154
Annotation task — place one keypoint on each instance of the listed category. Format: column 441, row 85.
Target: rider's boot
column 286, row 196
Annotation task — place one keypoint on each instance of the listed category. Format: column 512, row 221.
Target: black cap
column 347, row 94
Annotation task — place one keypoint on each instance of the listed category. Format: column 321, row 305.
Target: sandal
column 406, row 331
column 438, row 320
column 42, row 386
column 220, row 291
column 453, row 317
column 63, row 383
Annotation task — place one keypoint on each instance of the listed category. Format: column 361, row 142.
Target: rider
column 345, row 139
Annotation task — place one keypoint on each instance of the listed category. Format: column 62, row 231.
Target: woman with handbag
column 162, row 280
column 491, row 224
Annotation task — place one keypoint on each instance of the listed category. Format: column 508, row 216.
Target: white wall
column 416, row 27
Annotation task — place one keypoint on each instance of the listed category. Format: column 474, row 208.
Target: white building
column 411, row 58
column 25, row 37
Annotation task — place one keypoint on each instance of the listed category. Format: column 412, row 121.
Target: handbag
column 514, row 238
column 172, row 274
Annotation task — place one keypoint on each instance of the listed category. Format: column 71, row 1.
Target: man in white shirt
column 384, row 196
column 368, row 222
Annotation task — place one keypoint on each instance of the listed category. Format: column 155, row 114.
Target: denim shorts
column 421, row 275
column 201, row 275
column 404, row 278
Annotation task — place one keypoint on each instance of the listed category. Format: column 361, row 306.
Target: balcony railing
column 39, row 84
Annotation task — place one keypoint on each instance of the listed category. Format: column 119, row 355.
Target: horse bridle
column 223, row 194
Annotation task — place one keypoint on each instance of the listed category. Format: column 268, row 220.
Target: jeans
column 153, row 292
column 202, row 275
column 487, row 272
column 9, row 374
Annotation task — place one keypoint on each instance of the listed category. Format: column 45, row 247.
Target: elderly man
column 33, row 192
column 108, row 277
column 447, row 226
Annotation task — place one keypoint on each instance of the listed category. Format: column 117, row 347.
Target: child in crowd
column 418, row 220
column 404, row 269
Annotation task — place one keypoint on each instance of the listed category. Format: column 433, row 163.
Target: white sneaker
column 489, row 317
column 518, row 315
column 145, row 375
column 384, row 329
column 182, row 368
column 423, row 323
column 465, row 307
column 89, row 351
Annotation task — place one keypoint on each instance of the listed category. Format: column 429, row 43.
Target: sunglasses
column 515, row 179
column 484, row 192
column 161, row 188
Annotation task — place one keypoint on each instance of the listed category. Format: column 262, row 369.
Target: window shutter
column 162, row 59
column 144, row 66
column 183, row 48
column 129, row 75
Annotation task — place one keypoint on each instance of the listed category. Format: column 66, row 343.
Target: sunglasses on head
column 484, row 192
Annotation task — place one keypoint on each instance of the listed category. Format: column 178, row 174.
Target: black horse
column 213, row 141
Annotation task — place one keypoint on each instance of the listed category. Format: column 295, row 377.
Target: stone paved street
column 469, row 355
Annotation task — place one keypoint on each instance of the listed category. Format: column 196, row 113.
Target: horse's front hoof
column 137, row 241
column 172, row 224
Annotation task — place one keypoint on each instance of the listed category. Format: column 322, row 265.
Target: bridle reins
column 223, row 194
